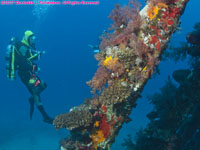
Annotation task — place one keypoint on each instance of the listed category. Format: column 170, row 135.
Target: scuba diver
column 95, row 48
column 20, row 57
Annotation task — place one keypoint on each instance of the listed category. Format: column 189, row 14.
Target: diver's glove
column 40, row 53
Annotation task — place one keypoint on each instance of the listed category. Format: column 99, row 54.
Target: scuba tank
column 10, row 60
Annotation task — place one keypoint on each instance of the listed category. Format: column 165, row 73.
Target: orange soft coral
column 153, row 10
column 114, row 65
column 97, row 138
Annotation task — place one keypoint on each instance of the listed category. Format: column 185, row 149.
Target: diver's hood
column 26, row 39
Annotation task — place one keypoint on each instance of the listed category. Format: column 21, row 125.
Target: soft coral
column 100, row 78
column 126, row 22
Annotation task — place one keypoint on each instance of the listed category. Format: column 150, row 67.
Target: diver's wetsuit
column 26, row 72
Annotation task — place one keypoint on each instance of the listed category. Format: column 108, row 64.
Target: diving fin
column 31, row 101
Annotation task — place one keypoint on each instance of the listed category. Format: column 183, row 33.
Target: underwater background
column 64, row 32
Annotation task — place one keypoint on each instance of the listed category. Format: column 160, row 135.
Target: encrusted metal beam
column 127, row 61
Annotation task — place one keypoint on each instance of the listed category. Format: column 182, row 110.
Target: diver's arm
column 36, row 55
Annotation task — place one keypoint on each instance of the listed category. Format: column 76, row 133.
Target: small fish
column 95, row 48
column 96, row 51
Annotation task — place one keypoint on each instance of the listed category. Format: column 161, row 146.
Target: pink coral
column 168, row 2
column 122, row 15
column 100, row 78
column 117, row 16
column 126, row 23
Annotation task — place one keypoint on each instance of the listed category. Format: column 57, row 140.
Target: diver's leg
column 46, row 118
column 35, row 90
column 40, row 107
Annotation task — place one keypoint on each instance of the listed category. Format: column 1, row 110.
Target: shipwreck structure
column 127, row 59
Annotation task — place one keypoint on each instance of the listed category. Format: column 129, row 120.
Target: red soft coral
column 105, row 127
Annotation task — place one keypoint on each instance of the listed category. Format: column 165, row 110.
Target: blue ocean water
column 64, row 32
